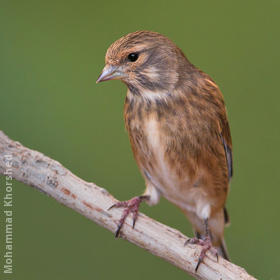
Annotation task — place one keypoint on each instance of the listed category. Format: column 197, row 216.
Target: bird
column 179, row 133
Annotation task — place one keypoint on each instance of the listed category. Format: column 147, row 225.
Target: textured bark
column 49, row 176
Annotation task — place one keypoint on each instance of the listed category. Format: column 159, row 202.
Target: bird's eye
column 132, row 57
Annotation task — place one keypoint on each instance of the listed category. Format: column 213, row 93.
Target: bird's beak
column 110, row 72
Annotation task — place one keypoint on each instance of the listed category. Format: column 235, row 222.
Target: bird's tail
column 222, row 250
column 216, row 226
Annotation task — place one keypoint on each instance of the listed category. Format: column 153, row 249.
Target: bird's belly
column 180, row 192
column 178, row 189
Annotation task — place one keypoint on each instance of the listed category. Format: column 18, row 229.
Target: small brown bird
column 177, row 123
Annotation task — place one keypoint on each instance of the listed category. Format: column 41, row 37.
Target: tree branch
column 49, row 176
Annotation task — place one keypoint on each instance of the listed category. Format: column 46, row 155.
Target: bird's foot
column 206, row 246
column 130, row 206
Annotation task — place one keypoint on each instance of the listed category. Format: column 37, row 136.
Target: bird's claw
column 206, row 246
column 131, row 206
column 114, row 205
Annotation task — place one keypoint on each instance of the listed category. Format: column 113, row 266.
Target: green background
column 51, row 53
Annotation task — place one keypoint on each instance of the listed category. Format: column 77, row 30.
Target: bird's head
column 144, row 61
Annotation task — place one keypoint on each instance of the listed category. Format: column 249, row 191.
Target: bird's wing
column 227, row 143
column 223, row 126
column 226, row 140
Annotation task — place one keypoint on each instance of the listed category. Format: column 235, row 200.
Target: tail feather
column 222, row 250
column 216, row 224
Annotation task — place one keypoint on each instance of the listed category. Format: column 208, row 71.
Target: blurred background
column 51, row 54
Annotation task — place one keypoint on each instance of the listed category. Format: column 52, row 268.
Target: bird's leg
column 205, row 243
column 130, row 206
